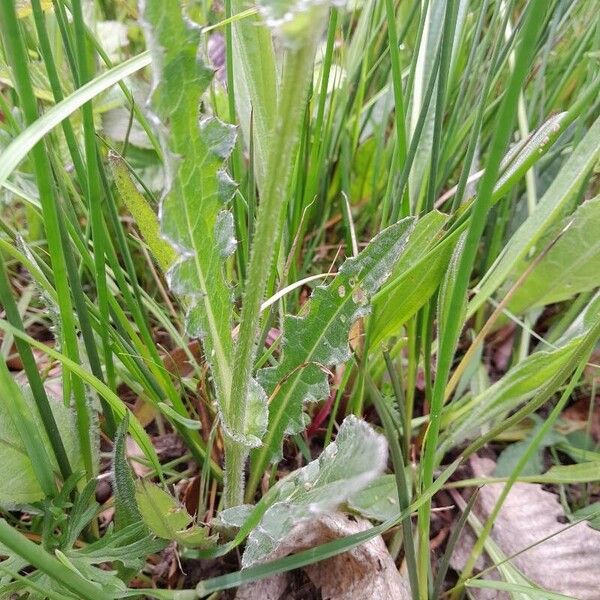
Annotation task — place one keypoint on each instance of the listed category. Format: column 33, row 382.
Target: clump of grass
column 343, row 224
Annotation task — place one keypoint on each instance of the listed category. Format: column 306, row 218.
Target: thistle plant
column 264, row 266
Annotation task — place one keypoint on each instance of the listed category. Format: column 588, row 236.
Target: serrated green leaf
column 169, row 520
column 357, row 456
column 319, row 339
column 570, row 267
column 126, row 509
column 130, row 546
column 194, row 218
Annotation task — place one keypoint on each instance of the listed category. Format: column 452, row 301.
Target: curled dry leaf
column 562, row 558
column 367, row 571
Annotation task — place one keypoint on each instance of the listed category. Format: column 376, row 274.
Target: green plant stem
column 450, row 331
column 297, row 74
column 94, row 196
column 393, row 434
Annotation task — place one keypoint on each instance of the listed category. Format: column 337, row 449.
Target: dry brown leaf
column 367, row 571
column 135, row 453
column 567, row 563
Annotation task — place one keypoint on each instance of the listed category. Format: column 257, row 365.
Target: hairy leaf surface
column 126, row 509
column 194, row 218
column 319, row 339
column 357, row 456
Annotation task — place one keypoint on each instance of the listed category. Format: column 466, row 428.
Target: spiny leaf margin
column 320, row 338
column 193, row 213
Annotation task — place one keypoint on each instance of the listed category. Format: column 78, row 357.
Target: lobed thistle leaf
column 319, row 339
column 194, row 216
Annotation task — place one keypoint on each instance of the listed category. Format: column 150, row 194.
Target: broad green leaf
column 357, row 456
column 320, row 338
column 126, row 509
column 142, row 213
column 570, row 267
column 23, row 443
column 169, row 520
column 415, row 278
column 194, row 218
column 547, row 212
column 378, row 500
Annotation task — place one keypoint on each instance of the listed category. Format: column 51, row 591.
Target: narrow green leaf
column 255, row 84
column 446, row 310
column 126, row 509
column 172, row 414
column 142, row 213
column 547, row 212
